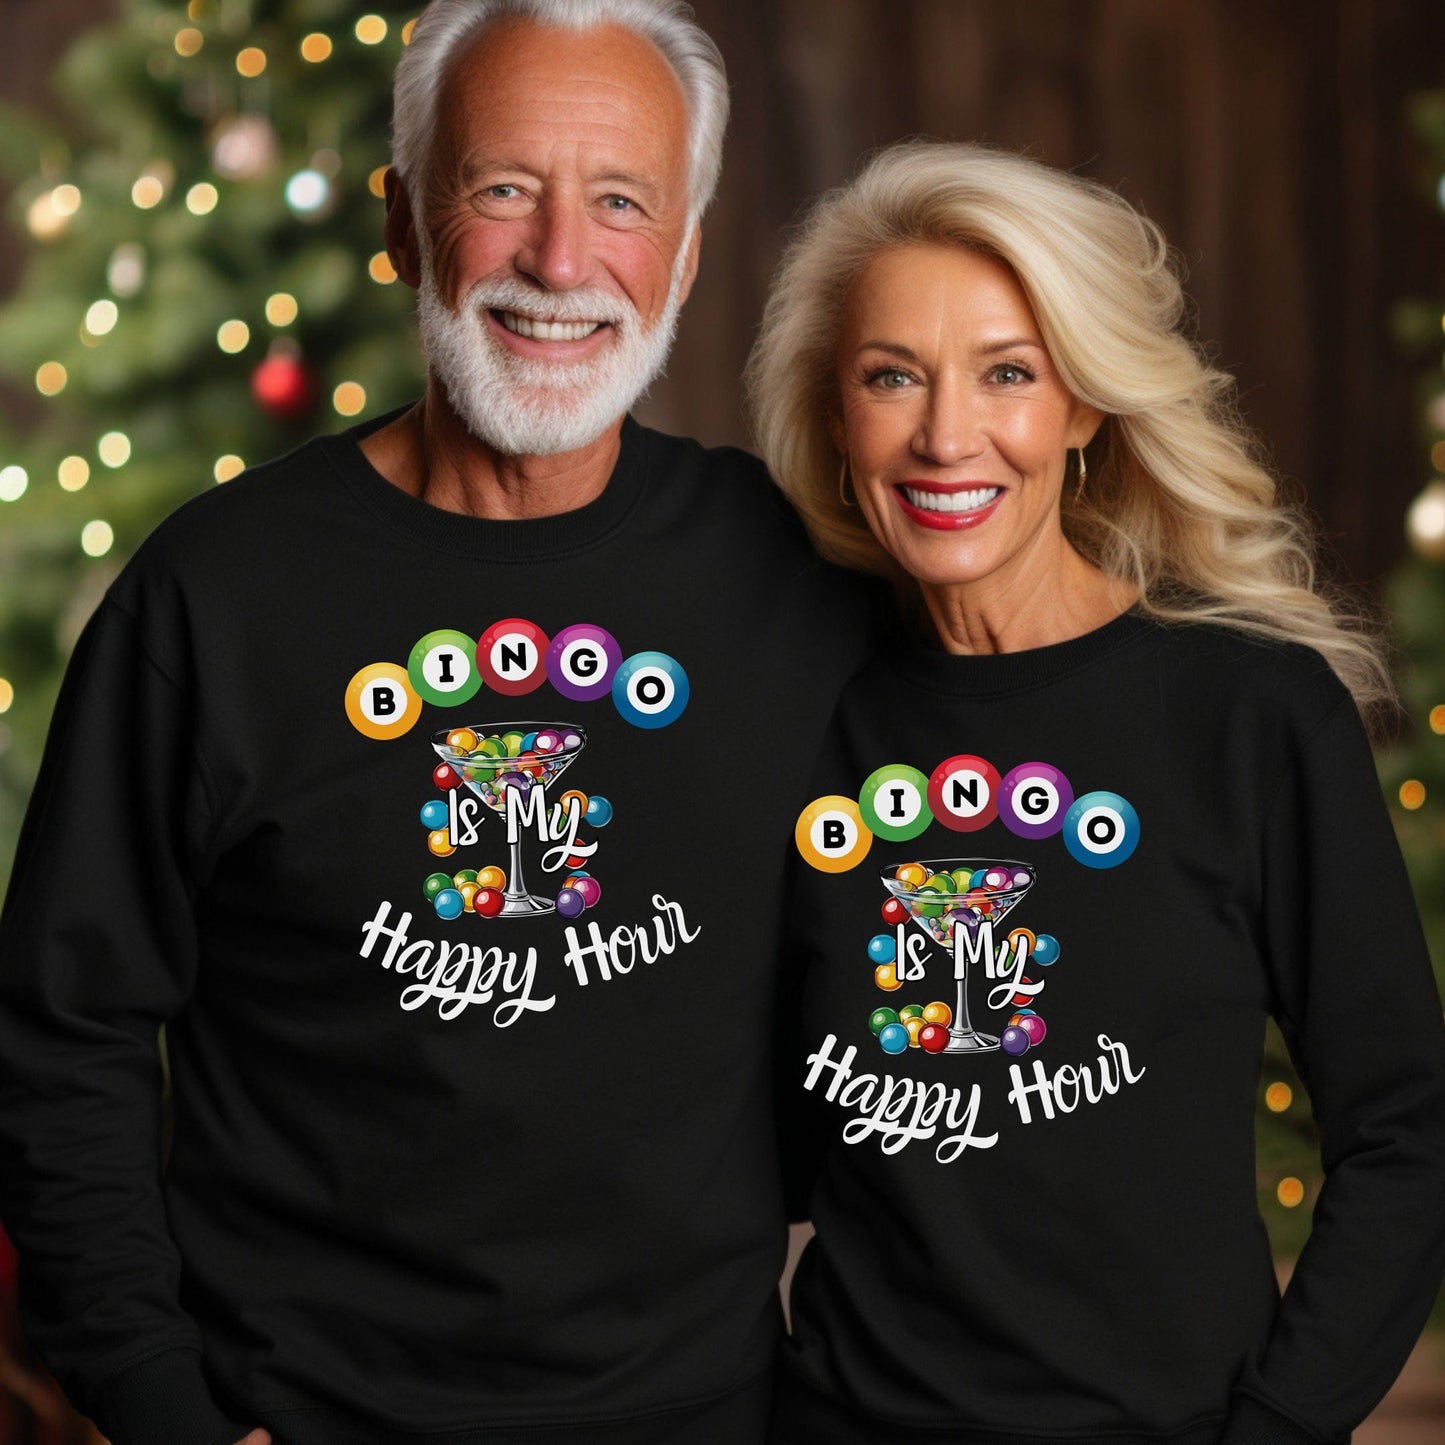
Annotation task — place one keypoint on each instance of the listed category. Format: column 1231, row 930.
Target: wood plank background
column 1268, row 137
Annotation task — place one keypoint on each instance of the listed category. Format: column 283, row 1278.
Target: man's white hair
column 446, row 26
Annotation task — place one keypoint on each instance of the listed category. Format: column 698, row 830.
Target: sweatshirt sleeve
column 1360, row 1012
column 97, row 949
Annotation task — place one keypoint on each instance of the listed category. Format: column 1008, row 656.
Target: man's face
column 553, row 246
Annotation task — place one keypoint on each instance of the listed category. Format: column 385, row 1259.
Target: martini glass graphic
column 492, row 777
column 942, row 911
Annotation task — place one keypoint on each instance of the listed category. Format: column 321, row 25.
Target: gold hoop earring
column 843, row 484
column 1083, row 476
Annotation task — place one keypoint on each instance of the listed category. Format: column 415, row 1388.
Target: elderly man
column 433, row 785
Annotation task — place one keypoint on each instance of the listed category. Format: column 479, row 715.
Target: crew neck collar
column 992, row 673
column 528, row 540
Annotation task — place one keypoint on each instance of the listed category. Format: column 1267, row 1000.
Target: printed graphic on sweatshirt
column 495, row 785
column 956, row 908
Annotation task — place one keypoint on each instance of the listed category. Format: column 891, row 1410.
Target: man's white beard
column 521, row 406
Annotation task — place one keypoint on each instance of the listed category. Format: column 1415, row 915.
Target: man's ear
column 400, row 232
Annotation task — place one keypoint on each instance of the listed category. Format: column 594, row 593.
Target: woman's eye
column 891, row 378
column 1010, row 375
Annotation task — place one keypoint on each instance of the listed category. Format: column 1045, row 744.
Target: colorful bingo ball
column 831, row 835
column 464, row 875
column 893, row 1038
column 933, row 1038
column 650, row 690
column 911, row 875
column 1014, row 1040
column 880, row 1018
column 963, row 793
column 894, row 802
column 464, row 740
column 882, row 948
column 1023, row 878
column 434, row 884
column 1024, row 999
column 487, row 902
column 938, row 1013
column 443, row 668
column 590, row 889
column 571, row 796
column 924, row 905
column 910, row 1011
column 915, row 1026
column 512, row 741
column 448, row 903
column 1101, row 830
column 1033, row 799
column 894, row 912
column 570, row 903
column 491, row 877
column 445, row 776
column 599, row 812
column 440, row 842
column 1046, row 950
column 886, row 977
column 510, row 656
column 1021, row 935
column 381, row 702
column 1034, row 1027
column 582, row 660
column 1020, row 1015
column 468, row 891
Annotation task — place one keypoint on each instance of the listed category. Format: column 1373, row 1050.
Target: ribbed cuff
column 1251, row 1422
column 164, row 1400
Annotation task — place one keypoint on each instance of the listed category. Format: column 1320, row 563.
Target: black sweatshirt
column 1057, row 1239
column 434, row 1172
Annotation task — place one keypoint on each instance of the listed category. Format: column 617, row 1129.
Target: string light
column 1290, row 1193
column 371, row 30
column 50, row 212
column 189, row 41
column 100, row 317
column 1412, row 794
column 13, row 481
column 1278, row 1097
column 233, row 336
column 96, row 538
column 65, row 200
column 73, row 473
column 201, row 198
column 307, row 191
column 281, row 309
column 148, row 192
column 50, row 378
column 349, row 398
column 316, row 47
column 114, row 448
column 126, row 270
column 376, row 184
column 229, row 466
column 7, row 694
column 406, row 31
column 195, row 9
column 1437, row 718
column 251, row 61
column 382, row 271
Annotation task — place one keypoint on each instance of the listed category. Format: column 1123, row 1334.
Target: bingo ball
column 1024, row 998
column 893, row 1038
column 1014, row 1040
column 589, row 888
column 448, row 903
column 886, row 977
column 492, row 877
column 440, row 842
column 915, row 1026
column 465, row 875
column 464, row 740
column 599, row 812
column 933, row 1038
column 1034, row 1027
column 469, row 891
column 894, row 912
column 434, row 884
column 882, row 948
column 1046, row 950
column 446, row 776
column 938, row 1013
column 570, row 903
column 910, row 1011
column 487, row 902
column 1019, row 1015
column 911, row 874
column 880, row 1018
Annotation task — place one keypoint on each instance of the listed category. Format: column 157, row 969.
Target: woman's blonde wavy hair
column 1179, row 500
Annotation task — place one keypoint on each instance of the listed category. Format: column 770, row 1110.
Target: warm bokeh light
column 229, row 466
column 114, row 448
column 50, row 378
column 73, row 473
column 251, row 61
column 96, row 538
column 349, row 398
column 126, row 270
column 189, row 41
column 376, row 182
column 1437, row 718
column 1278, row 1097
column 1437, row 456
column 201, row 198
column 100, row 318
column 1412, row 794
column 316, row 47
column 1290, row 1193
column 307, row 191
column 148, row 191
column 65, row 200
column 7, row 694
column 371, row 30
column 42, row 220
column 381, row 269
column 13, row 481
column 281, row 308
column 233, row 336
column 406, row 31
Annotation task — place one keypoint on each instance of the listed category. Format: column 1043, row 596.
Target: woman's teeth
column 950, row 501
column 547, row 330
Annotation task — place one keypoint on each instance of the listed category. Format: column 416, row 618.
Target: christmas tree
column 206, row 288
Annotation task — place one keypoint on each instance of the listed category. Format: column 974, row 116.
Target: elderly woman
column 1104, row 805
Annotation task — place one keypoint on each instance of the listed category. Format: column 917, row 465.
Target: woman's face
column 954, row 422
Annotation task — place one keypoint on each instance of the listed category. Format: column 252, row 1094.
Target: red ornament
column 284, row 386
